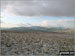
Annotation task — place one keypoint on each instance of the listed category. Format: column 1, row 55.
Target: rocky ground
column 35, row 43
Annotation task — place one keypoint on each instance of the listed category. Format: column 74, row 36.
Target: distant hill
column 36, row 29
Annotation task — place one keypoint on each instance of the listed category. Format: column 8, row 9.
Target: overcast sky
column 48, row 13
column 39, row 7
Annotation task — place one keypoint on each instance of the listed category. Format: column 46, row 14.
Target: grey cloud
column 40, row 7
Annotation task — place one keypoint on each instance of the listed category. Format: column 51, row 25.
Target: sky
column 44, row 13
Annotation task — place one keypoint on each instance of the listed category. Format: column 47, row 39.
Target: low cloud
column 64, row 23
column 8, row 25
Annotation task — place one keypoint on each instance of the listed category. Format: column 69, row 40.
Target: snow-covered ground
column 35, row 44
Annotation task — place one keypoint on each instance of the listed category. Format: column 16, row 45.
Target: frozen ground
column 35, row 43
